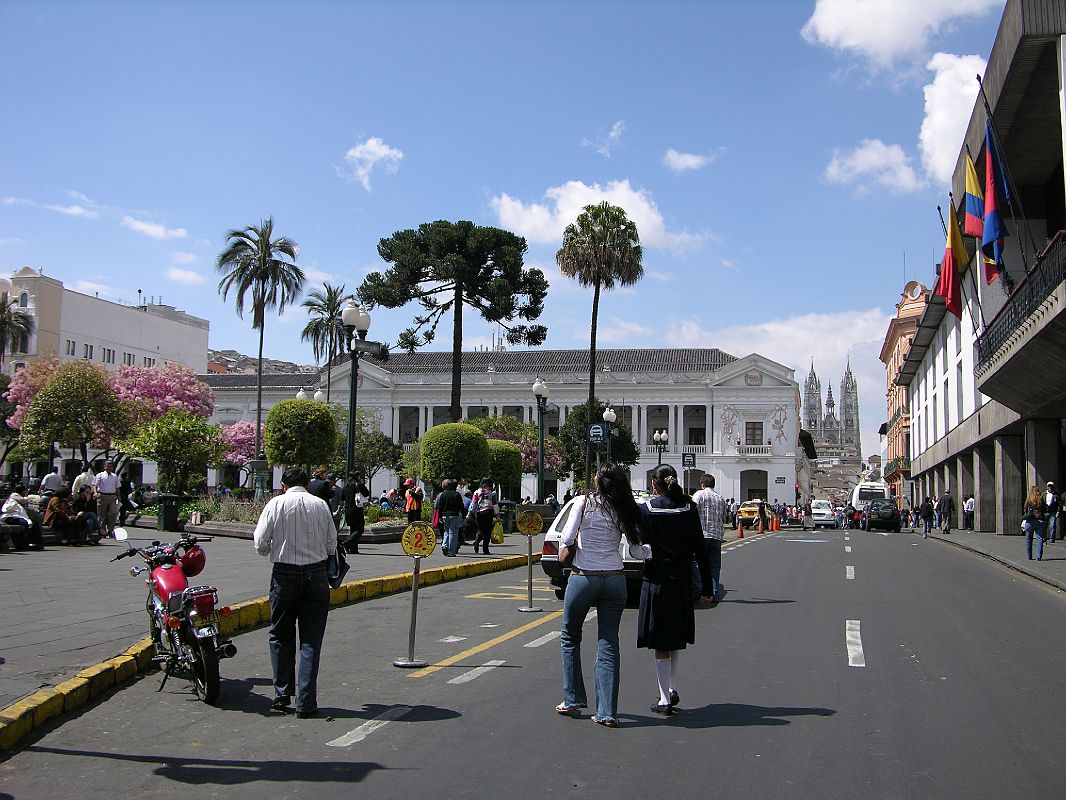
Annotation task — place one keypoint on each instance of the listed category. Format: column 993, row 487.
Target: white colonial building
column 737, row 418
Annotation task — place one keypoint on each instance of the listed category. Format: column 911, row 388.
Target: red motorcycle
column 183, row 620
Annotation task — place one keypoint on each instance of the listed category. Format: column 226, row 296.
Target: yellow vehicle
column 748, row 513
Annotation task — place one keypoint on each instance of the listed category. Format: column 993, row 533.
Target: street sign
column 530, row 523
column 779, row 480
column 688, row 460
column 419, row 539
column 597, row 432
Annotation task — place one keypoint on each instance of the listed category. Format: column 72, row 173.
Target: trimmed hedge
column 454, row 450
column 505, row 463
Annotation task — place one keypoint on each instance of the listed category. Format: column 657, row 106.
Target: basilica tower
column 849, row 414
column 812, row 404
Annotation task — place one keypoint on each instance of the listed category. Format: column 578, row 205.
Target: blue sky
column 780, row 158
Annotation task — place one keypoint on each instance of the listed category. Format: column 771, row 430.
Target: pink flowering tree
column 524, row 435
column 239, row 439
column 175, row 387
column 26, row 384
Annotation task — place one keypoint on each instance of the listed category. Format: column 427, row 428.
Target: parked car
column 880, row 514
column 822, row 514
column 558, row 575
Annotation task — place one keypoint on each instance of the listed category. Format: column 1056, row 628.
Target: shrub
column 299, row 432
column 505, row 462
column 454, row 450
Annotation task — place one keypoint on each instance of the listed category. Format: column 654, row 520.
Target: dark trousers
column 711, row 579
column 299, row 597
column 485, row 522
column 356, row 518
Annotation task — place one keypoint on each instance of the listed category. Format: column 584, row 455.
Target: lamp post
column 301, row 395
column 662, row 441
column 540, row 391
column 610, row 418
column 356, row 323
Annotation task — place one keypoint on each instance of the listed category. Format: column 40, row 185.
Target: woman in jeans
column 596, row 526
column 449, row 505
column 1034, row 524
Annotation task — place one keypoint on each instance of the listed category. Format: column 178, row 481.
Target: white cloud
column 187, row 276
column 544, row 222
column 184, row 258
column 730, row 265
column 873, row 162
column 70, row 211
column 794, row 341
column 92, row 287
column 316, row 275
column 949, row 101
column 884, row 31
column 617, row 331
column 368, row 155
column 663, row 277
column 678, row 162
column 605, row 145
column 12, row 240
column 154, row 229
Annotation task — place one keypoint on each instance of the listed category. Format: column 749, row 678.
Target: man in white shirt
column 85, row 477
column 52, row 482
column 1052, row 504
column 296, row 531
column 105, row 486
column 968, row 506
column 712, row 510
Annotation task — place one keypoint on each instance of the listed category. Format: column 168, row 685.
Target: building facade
column 76, row 326
column 901, row 329
column 986, row 392
column 737, row 418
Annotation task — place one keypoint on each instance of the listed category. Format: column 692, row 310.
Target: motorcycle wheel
column 205, row 672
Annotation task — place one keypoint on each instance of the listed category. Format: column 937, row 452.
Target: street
column 840, row 664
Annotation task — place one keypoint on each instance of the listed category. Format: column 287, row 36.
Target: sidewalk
column 1010, row 551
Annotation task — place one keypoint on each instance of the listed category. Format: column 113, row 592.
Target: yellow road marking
column 481, row 648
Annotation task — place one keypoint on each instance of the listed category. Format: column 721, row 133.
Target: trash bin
column 169, row 505
column 508, row 514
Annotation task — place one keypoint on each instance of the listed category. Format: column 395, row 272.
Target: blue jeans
column 450, row 523
column 298, row 596
column 608, row 594
column 1034, row 528
column 90, row 526
column 1051, row 527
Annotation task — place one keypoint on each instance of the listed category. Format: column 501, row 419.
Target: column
column 963, row 484
column 1041, row 452
column 682, row 439
column 708, row 430
column 984, row 491
column 1008, row 475
column 671, row 422
column 639, row 432
column 562, row 417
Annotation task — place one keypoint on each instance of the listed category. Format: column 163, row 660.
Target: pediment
column 754, row 371
column 370, row 377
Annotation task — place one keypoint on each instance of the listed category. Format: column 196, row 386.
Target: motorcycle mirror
column 121, row 534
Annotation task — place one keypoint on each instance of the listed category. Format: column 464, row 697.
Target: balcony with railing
column 900, row 464
column 1022, row 351
column 755, row 450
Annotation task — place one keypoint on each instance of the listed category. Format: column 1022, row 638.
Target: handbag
column 567, row 552
column 497, row 533
column 435, row 522
column 336, row 568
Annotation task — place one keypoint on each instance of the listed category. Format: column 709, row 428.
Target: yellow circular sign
column 530, row 523
column 419, row 539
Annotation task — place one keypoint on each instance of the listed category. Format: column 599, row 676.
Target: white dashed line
column 370, row 726
column 451, row 639
column 849, row 573
column 477, row 672
column 847, row 548
column 853, row 639
column 543, row 639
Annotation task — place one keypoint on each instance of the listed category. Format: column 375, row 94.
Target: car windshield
column 821, row 504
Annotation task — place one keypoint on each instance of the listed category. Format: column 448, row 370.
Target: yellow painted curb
column 18, row 719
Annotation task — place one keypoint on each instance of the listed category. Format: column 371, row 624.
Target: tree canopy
column 299, row 433
column 573, row 438
column 183, row 445
column 324, row 328
column 445, row 265
column 454, row 450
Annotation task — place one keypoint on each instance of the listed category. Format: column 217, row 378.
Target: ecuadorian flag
column 949, row 285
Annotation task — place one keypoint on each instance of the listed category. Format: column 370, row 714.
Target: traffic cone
column 740, row 529
column 775, row 524
column 760, row 524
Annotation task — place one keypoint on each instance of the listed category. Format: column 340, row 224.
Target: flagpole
column 1010, row 180
column 973, row 281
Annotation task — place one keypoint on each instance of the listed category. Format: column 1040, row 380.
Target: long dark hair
column 615, row 496
column 664, row 479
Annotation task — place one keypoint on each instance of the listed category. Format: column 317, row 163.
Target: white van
column 865, row 492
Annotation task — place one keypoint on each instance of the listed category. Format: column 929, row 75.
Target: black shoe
column 306, row 714
column 281, row 703
column 666, row 711
column 675, row 699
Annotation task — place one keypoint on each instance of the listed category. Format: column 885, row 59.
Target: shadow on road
column 230, row 772
column 757, row 601
column 727, row 715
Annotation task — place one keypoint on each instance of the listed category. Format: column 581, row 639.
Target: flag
column 949, row 284
column 997, row 195
column 974, row 203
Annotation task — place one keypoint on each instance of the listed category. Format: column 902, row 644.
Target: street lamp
column 540, row 391
column 662, row 441
column 609, row 417
column 301, row 395
column 320, row 396
column 356, row 323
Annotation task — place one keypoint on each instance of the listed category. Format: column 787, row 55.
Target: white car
column 822, row 514
column 549, row 556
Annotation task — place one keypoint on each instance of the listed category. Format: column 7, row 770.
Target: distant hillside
column 222, row 361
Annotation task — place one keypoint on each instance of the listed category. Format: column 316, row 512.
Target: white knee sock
column 662, row 673
column 675, row 659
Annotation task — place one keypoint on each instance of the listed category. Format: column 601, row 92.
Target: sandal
column 607, row 722
column 572, row 710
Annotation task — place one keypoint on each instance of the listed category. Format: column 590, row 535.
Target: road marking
column 847, row 548
column 451, row 639
column 503, row 637
column 543, row 639
column 880, row 533
column 477, row 672
column 853, row 639
column 368, row 727
column 849, row 573
column 524, row 588
column 806, row 540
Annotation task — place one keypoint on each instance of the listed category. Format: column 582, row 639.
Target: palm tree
column 253, row 261
column 324, row 328
column 15, row 326
column 601, row 248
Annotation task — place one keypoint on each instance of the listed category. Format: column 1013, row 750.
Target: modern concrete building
column 986, row 393
column 78, row 326
column 737, row 418
column 897, row 429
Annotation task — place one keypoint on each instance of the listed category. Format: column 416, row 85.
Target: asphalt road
column 960, row 694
